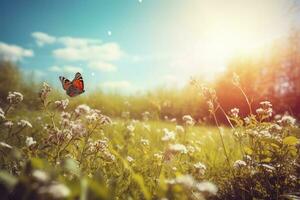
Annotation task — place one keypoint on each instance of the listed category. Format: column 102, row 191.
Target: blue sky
column 132, row 45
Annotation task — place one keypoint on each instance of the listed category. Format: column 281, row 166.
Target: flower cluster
column 14, row 97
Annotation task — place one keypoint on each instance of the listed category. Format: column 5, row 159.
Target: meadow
column 71, row 149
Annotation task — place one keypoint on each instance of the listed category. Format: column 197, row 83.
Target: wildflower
column 287, row 120
column 105, row 119
column 239, row 164
column 174, row 168
column 77, row 128
column 173, row 120
column 129, row 159
column 130, row 127
column 3, row 144
column 234, row 112
column 207, row 187
column 147, row 127
column 14, row 97
column 188, row 120
column 266, row 109
column 265, row 133
column 191, row 149
column 269, row 168
column 145, row 142
column 145, row 115
column 56, row 190
column 45, row 90
column 82, row 109
column 29, row 141
column 109, row 156
column 179, row 129
column 169, row 135
column 200, row 167
column 62, row 104
column 186, row 180
column 2, row 114
column 8, row 124
column 24, row 123
column 235, row 80
column 65, row 115
column 40, row 175
column 158, row 156
column 247, row 120
column 180, row 148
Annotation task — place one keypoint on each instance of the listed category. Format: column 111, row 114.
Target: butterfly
column 74, row 87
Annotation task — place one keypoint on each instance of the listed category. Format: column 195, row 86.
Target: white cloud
column 65, row 68
column 77, row 42
column 13, row 52
column 43, row 38
column 116, row 85
column 102, row 66
column 90, row 53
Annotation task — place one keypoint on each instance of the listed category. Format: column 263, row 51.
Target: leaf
column 248, row 150
column 140, row 181
column 8, row 179
column 290, row 140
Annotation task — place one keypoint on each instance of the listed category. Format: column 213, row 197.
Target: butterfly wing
column 77, row 86
column 66, row 83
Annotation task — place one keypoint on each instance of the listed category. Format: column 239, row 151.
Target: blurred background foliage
column 271, row 73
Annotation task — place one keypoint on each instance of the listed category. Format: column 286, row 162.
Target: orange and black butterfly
column 74, row 87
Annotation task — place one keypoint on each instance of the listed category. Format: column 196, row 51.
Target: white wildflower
column 82, row 109
column 9, row 124
column 147, row 127
column 130, row 127
column 269, row 168
column 188, row 120
column 29, row 141
column 129, row 159
column 173, row 120
column 14, row 97
column 239, row 164
column 169, row 135
column 56, row 190
column 179, row 129
column 40, row 175
column 207, row 187
column 200, row 167
column 234, row 112
column 186, row 180
column 144, row 141
column 265, row 133
column 180, row 148
column 287, row 120
column 24, row 123
column 62, row 104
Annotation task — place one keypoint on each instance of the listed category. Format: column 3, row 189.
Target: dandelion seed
column 207, row 187
column 9, row 124
column 169, row 135
column 109, row 33
column 239, row 164
column 24, row 123
column 129, row 159
column 14, row 97
column 29, row 141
